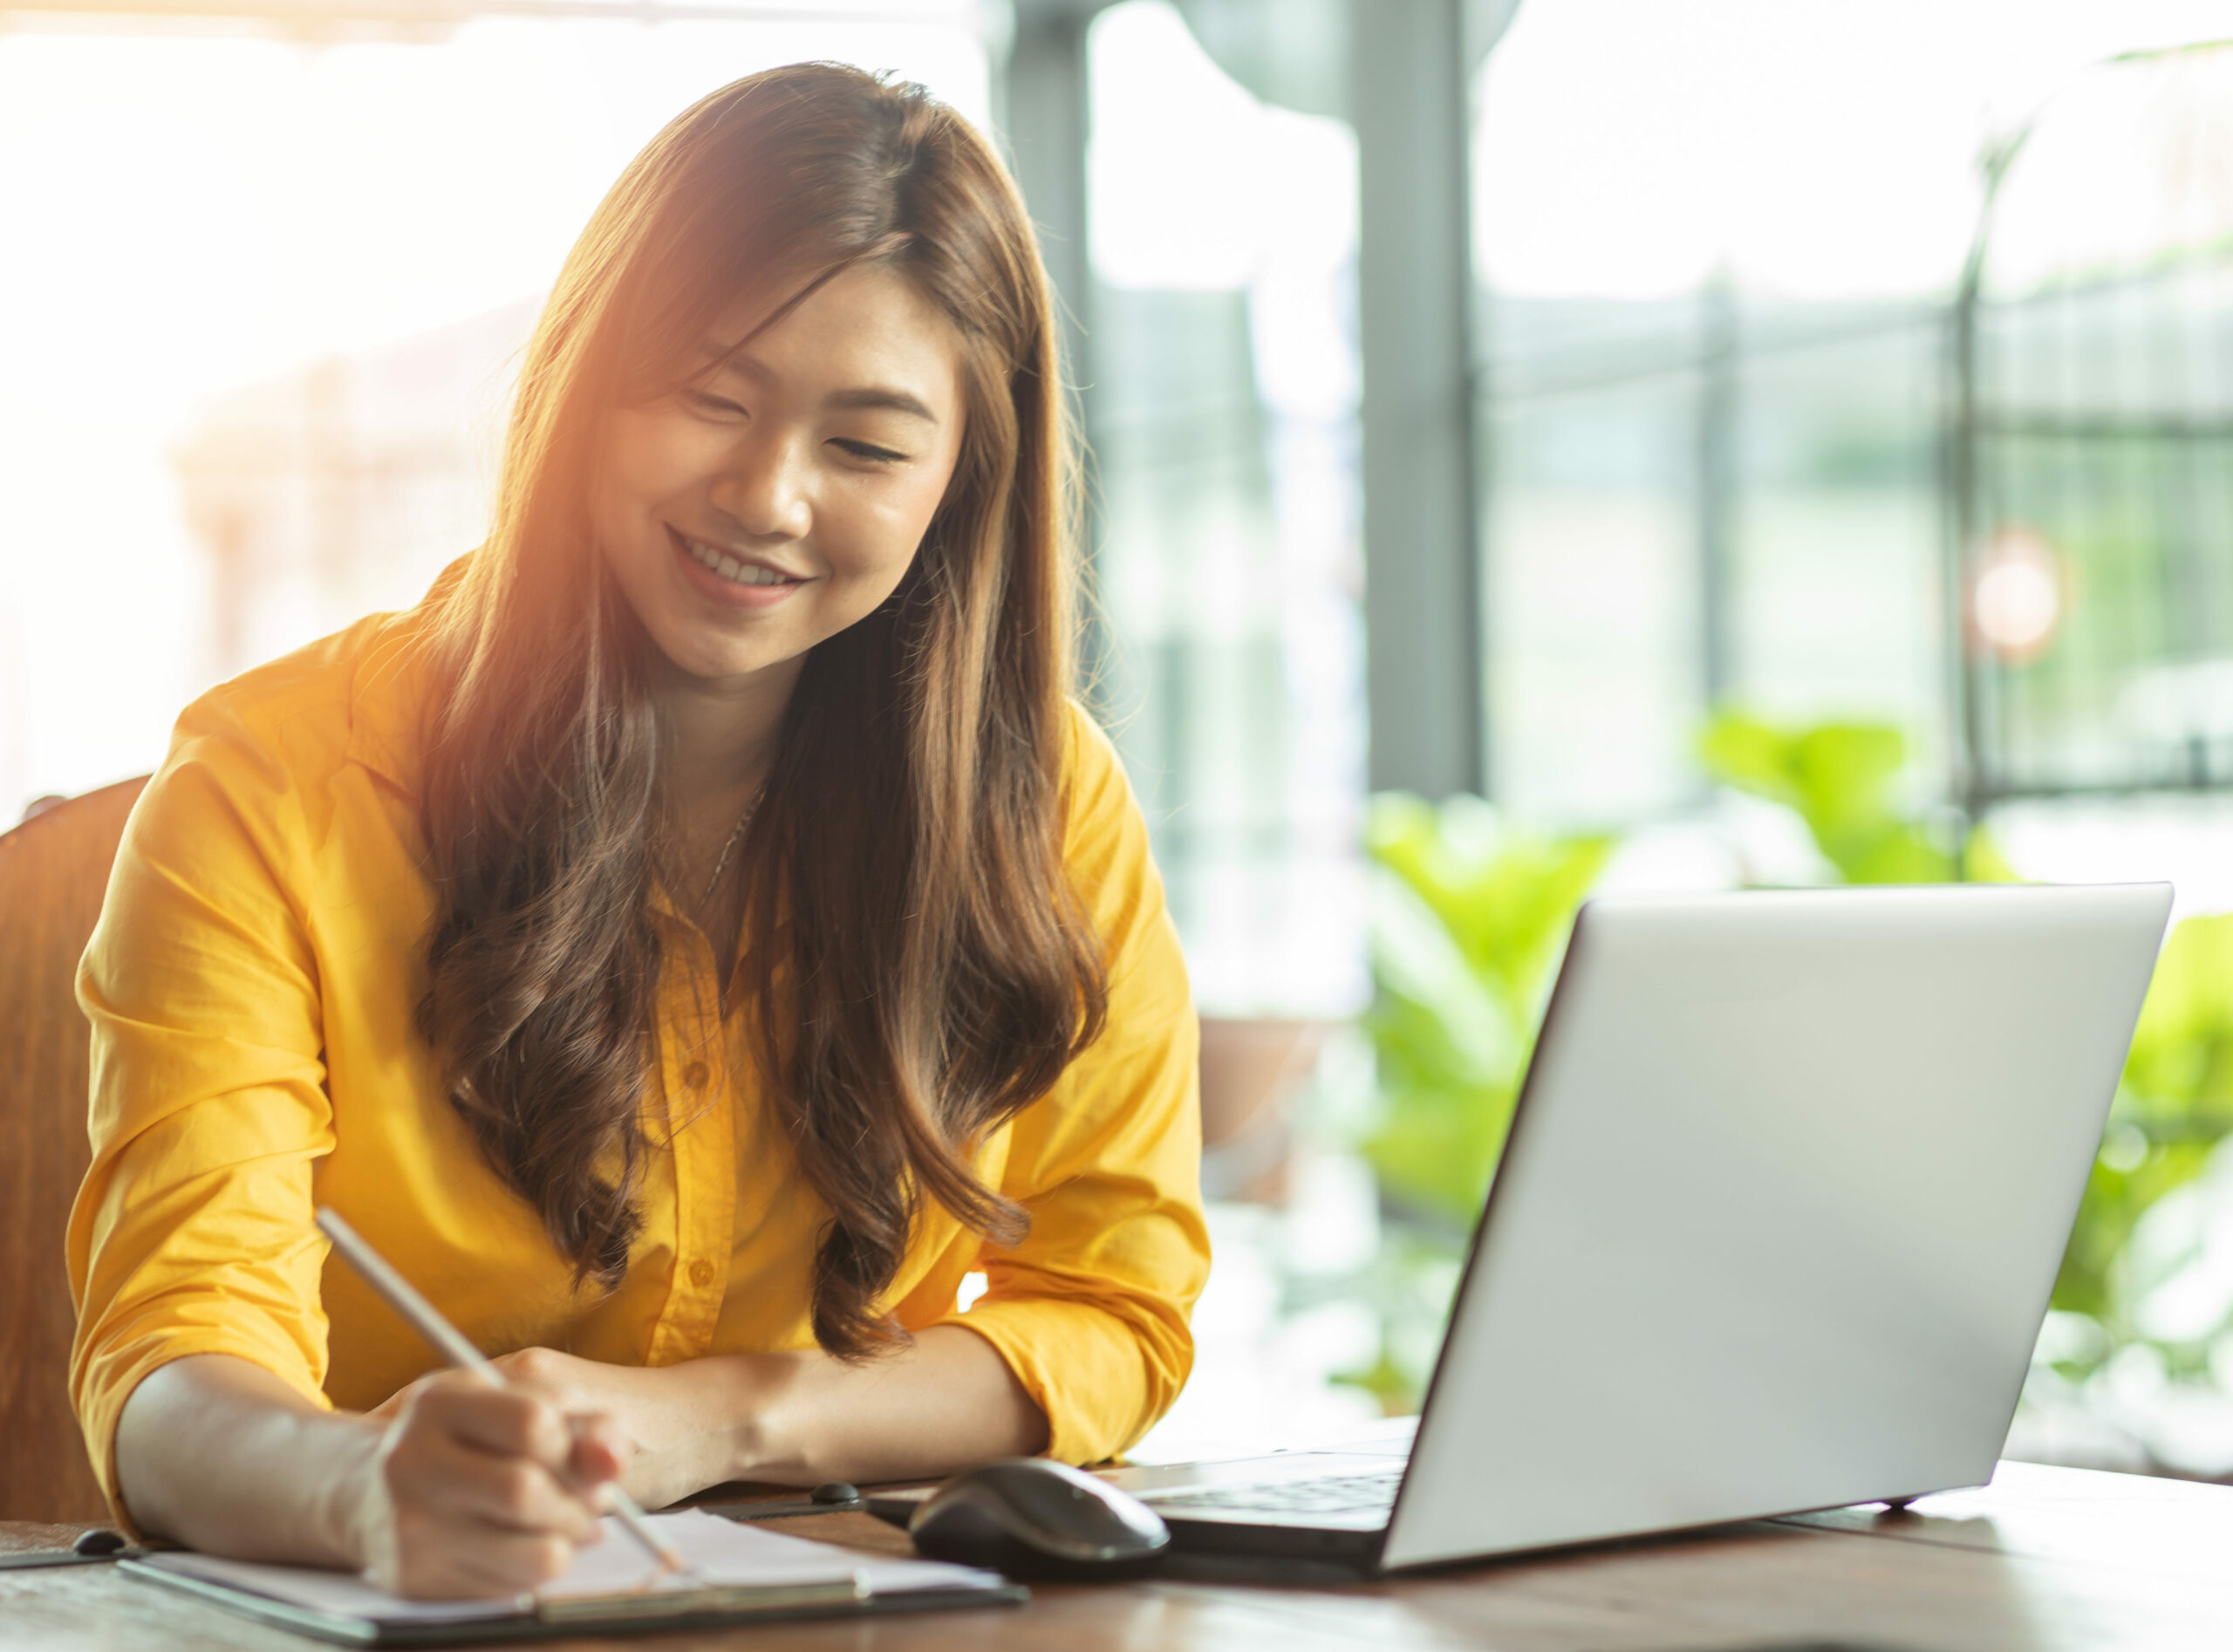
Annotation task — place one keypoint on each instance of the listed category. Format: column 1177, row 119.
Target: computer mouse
column 1031, row 1518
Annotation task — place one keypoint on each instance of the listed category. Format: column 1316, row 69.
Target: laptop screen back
column 1784, row 1201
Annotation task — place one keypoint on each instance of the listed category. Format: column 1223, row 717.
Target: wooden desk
column 2045, row 1557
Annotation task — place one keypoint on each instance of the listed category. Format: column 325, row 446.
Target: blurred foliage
column 2173, row 1110
column 1468, row 918
column 1839, row 778
column 1467, row 921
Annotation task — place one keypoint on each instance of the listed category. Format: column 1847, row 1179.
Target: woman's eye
column 705, row 401
column 868, row 450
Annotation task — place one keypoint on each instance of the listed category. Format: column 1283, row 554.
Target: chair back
column 53, row 872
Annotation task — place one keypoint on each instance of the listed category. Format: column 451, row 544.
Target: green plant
column 1467, row 919
column 2172, row 1111
column 1467, row 916
column 1840, row 779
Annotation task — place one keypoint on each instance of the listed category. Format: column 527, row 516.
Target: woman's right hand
column 477, row 1491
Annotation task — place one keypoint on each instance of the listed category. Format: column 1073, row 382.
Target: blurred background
column 1539, row 447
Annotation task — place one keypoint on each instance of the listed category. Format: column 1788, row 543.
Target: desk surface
column 2043, row 1558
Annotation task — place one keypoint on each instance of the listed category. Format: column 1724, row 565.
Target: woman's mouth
column 722, row 565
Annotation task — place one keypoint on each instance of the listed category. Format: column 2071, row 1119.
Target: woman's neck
column 720, row 745
column 720, row 741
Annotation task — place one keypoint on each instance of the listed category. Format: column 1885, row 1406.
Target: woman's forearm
column 944, row 1401
column 947, row 1400
column 219, row 1454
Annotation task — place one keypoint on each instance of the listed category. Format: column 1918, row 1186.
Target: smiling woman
column 688, row 944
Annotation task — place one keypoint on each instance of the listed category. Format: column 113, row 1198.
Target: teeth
column 731, row 569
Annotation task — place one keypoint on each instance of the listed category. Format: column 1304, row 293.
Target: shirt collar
column 389, row 690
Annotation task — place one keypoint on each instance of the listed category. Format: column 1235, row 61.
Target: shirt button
column 701, row 1272
column 695, row 1075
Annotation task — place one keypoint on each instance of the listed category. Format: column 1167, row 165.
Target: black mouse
column 1028, row 1517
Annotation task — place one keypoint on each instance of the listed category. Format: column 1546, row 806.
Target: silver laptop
column 1785, row 1193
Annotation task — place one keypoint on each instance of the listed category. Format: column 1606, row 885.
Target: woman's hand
column 679, row 1430
column 681, row 1435
column 476, row 1491
column 452, row 1489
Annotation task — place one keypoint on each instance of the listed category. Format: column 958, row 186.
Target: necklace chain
column 721, row 860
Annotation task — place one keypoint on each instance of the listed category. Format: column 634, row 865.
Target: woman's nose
column 763, row 487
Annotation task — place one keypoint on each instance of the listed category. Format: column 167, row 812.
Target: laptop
column 1785, row 1192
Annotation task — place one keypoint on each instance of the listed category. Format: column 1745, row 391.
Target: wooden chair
column 53, row 871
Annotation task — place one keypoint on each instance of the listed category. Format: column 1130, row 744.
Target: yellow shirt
column 251, row 985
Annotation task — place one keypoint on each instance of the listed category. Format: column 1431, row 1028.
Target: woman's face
column 752, row 515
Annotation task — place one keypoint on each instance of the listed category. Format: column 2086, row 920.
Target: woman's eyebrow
column 873, row 397
column 861, row 398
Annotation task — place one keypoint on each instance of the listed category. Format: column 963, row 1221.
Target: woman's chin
column 711, row 662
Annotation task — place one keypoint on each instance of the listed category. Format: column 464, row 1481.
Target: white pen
column 424, row 1318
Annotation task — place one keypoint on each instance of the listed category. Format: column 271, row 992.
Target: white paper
column 726, row 1553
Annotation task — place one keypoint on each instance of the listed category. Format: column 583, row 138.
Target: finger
column 507, row 1562
column 432, row 1472
column 506, row 1422
column 602, row 1448
column 450, row 1561
column 519, row 1495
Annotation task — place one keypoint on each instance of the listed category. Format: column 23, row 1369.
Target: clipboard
column 753, row 1576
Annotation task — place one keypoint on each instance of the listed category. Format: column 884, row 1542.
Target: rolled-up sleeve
column 192, row 1232
column 1090, row 1310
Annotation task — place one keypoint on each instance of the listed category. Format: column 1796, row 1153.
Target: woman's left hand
column 683, row 1442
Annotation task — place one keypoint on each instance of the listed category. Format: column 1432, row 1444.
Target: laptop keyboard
column 1341, row 1494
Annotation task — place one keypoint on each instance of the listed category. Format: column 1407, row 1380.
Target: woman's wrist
column 693, row 1425
column 349, row 1502
column 763, row 1432
column 216, row 1453
column 944, row 1401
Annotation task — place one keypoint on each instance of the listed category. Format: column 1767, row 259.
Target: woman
column 688, row 944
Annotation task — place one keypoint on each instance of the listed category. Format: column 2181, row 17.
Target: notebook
column 744, row 1575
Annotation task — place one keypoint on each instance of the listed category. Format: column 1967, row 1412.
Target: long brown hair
column 916, row 965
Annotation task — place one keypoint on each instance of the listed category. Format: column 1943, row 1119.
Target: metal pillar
column 1970, row 782
column 1717, row 480
column 1045, row 117
column 1422, row 588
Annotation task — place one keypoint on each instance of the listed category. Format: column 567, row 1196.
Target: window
column 1220, row 378
column 264, row 293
